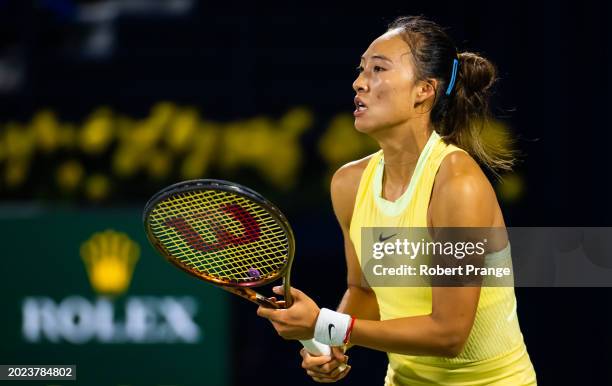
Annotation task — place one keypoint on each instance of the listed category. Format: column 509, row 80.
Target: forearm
column 359, row 302
column 418, row 335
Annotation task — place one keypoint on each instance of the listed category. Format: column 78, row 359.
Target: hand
column 326, row 369
column 296, row 322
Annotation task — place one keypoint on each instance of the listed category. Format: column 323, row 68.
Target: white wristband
column 331, row 327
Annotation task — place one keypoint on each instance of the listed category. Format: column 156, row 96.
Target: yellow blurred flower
column 181, row 130
column 206, row 137
column 162, row 113
column 97, row 133
column 496, row 134
column 260, row 144
column 281, row 169
column 245, row 142
column 144, row 135
column 198, row 160
column 194, row 165
column 126, row 161
column 16, row 172
column 97, row 187
column 341, row 143
column 19, row 141
column 46, row 130
column 2, row 148
column 511, row 187
column 158, row 164
column 69, row 175
column 297, row 120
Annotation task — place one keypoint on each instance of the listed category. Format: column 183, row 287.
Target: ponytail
column 460, row 112
column 467, row 121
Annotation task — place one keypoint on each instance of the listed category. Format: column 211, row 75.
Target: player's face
column 385, row 85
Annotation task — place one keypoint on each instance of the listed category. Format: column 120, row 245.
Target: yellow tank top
column 495, row 353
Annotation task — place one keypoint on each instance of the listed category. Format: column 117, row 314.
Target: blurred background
column 103, row 103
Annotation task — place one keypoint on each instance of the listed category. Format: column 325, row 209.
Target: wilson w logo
column 216, row 221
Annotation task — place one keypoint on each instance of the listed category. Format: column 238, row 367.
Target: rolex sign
column 87, row 289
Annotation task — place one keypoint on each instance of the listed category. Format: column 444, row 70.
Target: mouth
column 360, row 107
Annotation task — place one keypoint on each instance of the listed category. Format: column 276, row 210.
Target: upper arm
column 344, row 186
column 462, row 195
column 462, row 198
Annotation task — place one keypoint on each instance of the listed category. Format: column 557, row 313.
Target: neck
column 402, row 145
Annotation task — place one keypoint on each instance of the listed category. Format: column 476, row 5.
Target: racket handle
column 315, row 348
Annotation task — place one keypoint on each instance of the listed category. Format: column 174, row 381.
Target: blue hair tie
column 451, row 84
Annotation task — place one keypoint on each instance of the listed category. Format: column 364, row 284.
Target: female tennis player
column 425, row 103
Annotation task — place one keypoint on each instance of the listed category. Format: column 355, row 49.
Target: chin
column 363, row 126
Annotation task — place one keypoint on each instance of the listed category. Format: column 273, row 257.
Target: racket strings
column 222, row 235
column 228, row 266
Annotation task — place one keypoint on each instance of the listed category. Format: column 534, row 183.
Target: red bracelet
column 347, row 337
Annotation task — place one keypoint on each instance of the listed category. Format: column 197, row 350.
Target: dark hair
column 460, row 117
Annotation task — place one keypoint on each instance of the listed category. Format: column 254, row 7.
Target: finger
column 328, row 367
column 338, row 370
column 319, row 376
column 271, row 314
column 261, row 312
column 312, row 361
column 265, row 312
column 343, row 373
column 296, row 293
column 314, row 373
column 327, row 380
column 338, row 354
column 278, row 290
column 306, row 355
column 331, row 377
column 281, row 303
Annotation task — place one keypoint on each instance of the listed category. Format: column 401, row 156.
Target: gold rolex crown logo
column 109, row 258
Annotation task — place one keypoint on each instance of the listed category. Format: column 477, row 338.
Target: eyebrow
column 382, row 57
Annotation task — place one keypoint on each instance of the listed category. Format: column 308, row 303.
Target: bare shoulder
column 462, row 194
column 344, row 186
column 460, row 164
column 347, row 177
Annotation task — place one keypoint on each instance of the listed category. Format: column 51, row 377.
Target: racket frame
column 241, row 289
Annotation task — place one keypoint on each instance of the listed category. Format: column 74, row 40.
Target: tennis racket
column 227, row 235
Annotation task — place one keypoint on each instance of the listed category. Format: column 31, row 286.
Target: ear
column 425, row 89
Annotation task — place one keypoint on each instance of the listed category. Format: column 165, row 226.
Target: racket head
column 221, row 232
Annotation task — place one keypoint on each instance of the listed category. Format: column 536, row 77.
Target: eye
column 378, row 69
column 359, row 69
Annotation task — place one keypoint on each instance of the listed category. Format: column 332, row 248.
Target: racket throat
column 264, row 301
column 253, row 296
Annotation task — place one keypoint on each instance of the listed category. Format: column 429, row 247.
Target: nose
column 360, row 84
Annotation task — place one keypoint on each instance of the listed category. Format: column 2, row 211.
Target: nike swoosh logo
column 329, row 328
column 382, row 239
